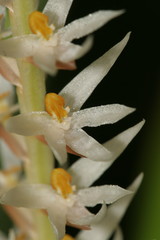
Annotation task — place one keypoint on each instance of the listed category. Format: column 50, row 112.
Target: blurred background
column 132, row 81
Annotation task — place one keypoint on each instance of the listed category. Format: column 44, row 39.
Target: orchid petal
column 95, row 195
column 26, row 195
column 73, row 51
column 79, row 215
column 85, row 47
column 44, row 58
column 40, row 123
column 13, row 145
column 85, row 171
column 70, row 53
column 96, row 116
column 55, row 139
column 118, row 209
column 80, row 142
column 19, row 47
column 57, row 217
column 8, row 73
column 118, row 234
column 104, row 229
column 29, row 124
column 79, row 89
column 88, row 24
column 57, row 11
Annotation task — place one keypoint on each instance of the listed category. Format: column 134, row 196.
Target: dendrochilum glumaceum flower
column 50, row 46
column 109, row 223
column 66, row 198
column 7, row 108
column 62, row 122
column 8, row 66
column 63, row 201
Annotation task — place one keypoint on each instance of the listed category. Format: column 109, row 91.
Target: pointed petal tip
column 136, row 183
column 118, row 12
column 139, row 179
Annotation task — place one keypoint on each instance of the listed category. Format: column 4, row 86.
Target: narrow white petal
column 55, row 139
column 84, row 171
column 85, row 145
column 57, row 11
column 29, row 124
column 44, row 58
column 29, row 196
column 96, row 116
column 105, row 228
column 100, row 215
column 68, row 52
column 72, row 51
column 85, row 47
column 117, row 210
column 19, row 47
column 40, row 123
column 79, row 89
column 118, row 234
column 57, row 217
column 88, row 24
column 95, row 195
column 79, row 215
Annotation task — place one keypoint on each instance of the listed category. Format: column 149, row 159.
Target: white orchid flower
column 11, row 148
column 63, row 202
column 8, row 66
column 62, row 122
column 50, row 46
column 104, row 229
column 84, row 172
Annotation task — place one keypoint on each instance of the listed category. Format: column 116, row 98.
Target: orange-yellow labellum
column 68, row 237
column 54, row 104
column 61, row 181
column 38, row 23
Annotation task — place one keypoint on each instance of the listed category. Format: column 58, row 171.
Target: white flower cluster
column 60, row 126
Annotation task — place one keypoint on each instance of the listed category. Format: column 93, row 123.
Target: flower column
column 31, row 98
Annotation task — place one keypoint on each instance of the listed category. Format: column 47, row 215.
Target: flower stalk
column 31, row 98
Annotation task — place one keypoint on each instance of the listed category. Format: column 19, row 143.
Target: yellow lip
column 38, row 23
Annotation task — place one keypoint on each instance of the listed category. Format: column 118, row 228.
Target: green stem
column 32, row 99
